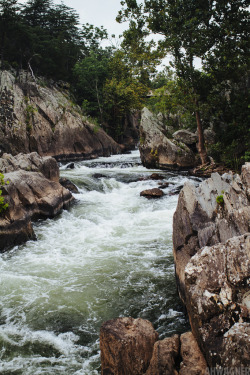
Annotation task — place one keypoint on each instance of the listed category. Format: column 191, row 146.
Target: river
column 109, row 255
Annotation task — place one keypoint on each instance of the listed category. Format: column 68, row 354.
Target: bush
column 3, row 205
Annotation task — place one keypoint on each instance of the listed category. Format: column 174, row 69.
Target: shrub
column 3, row 205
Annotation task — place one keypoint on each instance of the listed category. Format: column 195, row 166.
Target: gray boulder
column 212, row 262
column 185, row 136
column 217, row 281
column 158, row 151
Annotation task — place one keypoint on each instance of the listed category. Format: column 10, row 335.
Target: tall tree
column 189, row 30
column 9, row 22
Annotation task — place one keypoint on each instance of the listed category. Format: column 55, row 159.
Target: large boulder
column 217, row 281
column 33, row 191
column 165, row 356
column 212, row 261
column 43, row 118
column 200, row 221
column 126, row 346
column 157, row 150
column 130, row 347
column 185, row 136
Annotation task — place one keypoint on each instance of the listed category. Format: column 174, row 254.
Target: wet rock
column 158, row 151
column 152, row 193
column 185, row 136
column 126, row 346
column 156, row 176
column 165, row 357
column 33, row 192
column 192, row 359
column 164, row 186
column 68, row 185
column 98, row 175
column 55, row 125
column 71, row 166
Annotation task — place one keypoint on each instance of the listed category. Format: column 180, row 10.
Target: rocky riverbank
column 211, row 237
column 42, row 117
column 32, row 191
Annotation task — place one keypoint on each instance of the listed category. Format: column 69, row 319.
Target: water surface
column 109, row 255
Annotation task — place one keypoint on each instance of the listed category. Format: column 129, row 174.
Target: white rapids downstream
column 109, row 255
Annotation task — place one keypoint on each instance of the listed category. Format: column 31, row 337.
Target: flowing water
column 109, row 255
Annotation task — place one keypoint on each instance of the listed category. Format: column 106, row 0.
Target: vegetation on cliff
column 47, row 39
column 216, row 32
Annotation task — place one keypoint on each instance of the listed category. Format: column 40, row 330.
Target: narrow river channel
column 109, row 255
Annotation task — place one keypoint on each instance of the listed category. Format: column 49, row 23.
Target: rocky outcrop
column 33, row 191
column 212, row 260
column 130, row 347
column 37, row 116
column 217, row 281
column 157, row 150
column 126, row 346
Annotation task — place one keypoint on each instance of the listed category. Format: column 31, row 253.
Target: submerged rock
column 65, row 182
column 158, row 151
column 33, row 191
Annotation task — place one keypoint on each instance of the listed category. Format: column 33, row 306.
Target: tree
column 9, row 22
column 192, row 29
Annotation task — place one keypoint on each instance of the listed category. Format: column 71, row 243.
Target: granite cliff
column 42, row 117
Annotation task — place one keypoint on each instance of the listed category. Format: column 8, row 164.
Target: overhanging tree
column 192, row 29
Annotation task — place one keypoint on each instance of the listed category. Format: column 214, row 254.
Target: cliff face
column 35, row 117
column 212, row 259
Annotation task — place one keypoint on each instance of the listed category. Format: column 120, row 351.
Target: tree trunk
column 201, row 144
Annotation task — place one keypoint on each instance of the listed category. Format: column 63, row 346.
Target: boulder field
column 32, row 190
column 211, row 237
column 42, row 117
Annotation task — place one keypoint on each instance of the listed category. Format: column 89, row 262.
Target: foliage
column 216, row 33
column 123, row 91
column 3, row 205
column 220, row 200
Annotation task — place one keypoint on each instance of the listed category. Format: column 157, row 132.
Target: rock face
column 126, row 346
column 130, row 347
column 217, row 280
column 165, row 356
column 212, row 259
column 185, row 136
column 193, row 361
column 33, row 192
column 158, row 151
column 35, row 117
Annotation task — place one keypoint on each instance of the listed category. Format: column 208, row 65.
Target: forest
column 109, row 82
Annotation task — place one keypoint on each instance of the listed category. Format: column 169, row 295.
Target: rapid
column 109, row 255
